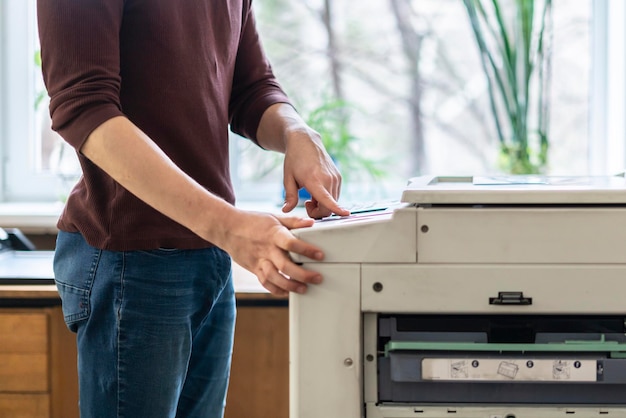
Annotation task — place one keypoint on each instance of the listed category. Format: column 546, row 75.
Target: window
column 31, row 152
column 608, row 99
column 405, row 83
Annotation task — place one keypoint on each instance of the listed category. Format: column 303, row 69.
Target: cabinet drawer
column 23, row 373
column 24, row 406
column 23, row 332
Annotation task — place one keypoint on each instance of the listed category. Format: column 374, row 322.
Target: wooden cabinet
column 37, row 364
column 259, row 382
column 24, row 374
column 38, row 377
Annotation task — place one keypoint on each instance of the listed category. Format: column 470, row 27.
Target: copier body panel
column 472, row 299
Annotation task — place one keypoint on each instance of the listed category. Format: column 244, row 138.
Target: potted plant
column 512, row 37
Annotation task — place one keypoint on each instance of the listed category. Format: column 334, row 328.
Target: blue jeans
column 154, row 328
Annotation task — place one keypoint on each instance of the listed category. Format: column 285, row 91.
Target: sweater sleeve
column 255, row 87
column 80, row 63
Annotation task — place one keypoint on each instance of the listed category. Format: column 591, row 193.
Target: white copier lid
column 516, row 189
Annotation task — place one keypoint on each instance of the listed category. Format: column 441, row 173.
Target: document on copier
column 475, row 297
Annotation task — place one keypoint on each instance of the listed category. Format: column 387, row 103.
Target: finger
column 291, row 194
column 315, row 210
column 300, row 274
column 293, row 222
column 335, row 188
column 272, row 288
column 326, row 203
column 288, row 242
column 277, row 280
column 266, row 269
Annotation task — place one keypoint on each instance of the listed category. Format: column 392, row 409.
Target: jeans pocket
column 74, row 269
column 75, row 304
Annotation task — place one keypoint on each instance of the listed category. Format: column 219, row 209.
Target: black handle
column 511, row 298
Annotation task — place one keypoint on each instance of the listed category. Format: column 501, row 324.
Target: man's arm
column 307, row 164
column 259, row 110
column 258, row 242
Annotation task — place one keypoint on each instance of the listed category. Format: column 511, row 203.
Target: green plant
column 332, row 121
column 41, row 94
column 512, row 39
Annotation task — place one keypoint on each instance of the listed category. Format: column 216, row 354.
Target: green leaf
column 511, row 38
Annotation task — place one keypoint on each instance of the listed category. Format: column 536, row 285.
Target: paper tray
column 501, row 359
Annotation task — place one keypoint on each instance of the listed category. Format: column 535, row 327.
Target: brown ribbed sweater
column 181, row 70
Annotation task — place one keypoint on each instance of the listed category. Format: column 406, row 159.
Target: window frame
column 607, row 143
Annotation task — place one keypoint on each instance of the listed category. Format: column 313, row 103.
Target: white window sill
column 41, row 218
column 35, row 217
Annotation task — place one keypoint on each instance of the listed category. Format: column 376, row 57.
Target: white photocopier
column 473, row 297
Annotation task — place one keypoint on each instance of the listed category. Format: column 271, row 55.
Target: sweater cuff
column 77, row 131
column 248, row 126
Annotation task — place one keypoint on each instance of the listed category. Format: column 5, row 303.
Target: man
column 145, row 92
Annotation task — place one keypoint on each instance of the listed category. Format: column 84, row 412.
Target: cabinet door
column 24, row 405
column 24, row 352
column 259, row 379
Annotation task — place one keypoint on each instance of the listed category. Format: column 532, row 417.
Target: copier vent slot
column 522, row 359
column 495, row 328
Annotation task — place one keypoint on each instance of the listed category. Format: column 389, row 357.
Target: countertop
column 32, row 267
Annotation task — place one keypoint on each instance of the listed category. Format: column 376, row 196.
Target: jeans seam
column 92, row 277
column 119, row 327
